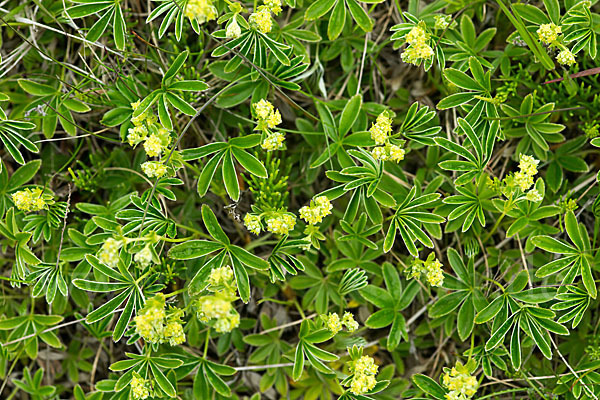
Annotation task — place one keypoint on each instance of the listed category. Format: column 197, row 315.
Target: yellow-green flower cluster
column 548, row 33
column 262, row 19
column 221, row 277
column 528, row 169
column 460, row 383
column 200, row 10
column 442, row 21
column 149, row 320
column 154, row 325
column 252, row 223
column 281, row 224
column 334, row 323
column 417, row 49
column 273, row 141
column 389, row 152
column 534, row 195
column 154, row 169
column 364, row 370
column 565, row 57
column 274, row 6
column 29, row 200
column 144, row 256
column 149, row 131
column 380, row 133
column 381, row 129
column 319, row 208
column 109, row 252
column 217, row 308
column 268, row 116
column 432, row 268
column 141, row 388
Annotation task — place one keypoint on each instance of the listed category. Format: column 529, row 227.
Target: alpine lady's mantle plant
column 324, row 199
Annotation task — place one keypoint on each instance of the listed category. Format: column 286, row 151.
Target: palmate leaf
column 240, row 258
column 12, row 138
column 307, row 350
column 225, row 153
column 577, row 257
column 407, row 221
column 110, row 13
column 129, row 291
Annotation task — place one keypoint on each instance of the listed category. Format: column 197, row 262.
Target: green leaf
column 318, row 9
column 429, row 386
column 350, row 113
column 193, row 249
column 230, row 177
column 359, row 15
column 249, row 162
column 36, row 89
column 175, row 67
column 336, row 21
column 212, row 225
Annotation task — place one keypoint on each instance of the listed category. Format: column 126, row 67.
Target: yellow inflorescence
column 252, row 223
column 29, row 200
column 154, row 169
column 318, row 209
column 461, row 384
column 417, row 49
column 273, row 141
column 218, row 309
column 388, row 152
column 140, row 387
column 200, row 10
column 153, row 146
column 281, row 224
column 528, row 169
column 221, row 276
column 144, row 256
column 432, row 268
column 565, row 57
column 334, row 323
column 263, row 109
column 548, row 33
column 109, row 253
column 364, row 370
column 262, row 19
column 274, row 6
column 381, row 128
column 154, row 325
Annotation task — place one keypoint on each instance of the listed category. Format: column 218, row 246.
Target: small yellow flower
column 29, row 200
column 228, row 323
column 461, row 384
column 140, row 387
column 153, row 146
column 528, row 164
column 364, row 370
column 200, row 10
column 318, row 209
column 281, row 224
column 221, row 276
column 381, row 129
column 434, row 272
column 273, row 141
column 144, row 256
column 274, row 6
column 565, row 57
column 333, row 322
column 274, row 119
column 523, row 180
column 416, row 35
column 396, row 153
column 442, row 21
column 262, row 19
column 349, row 322
column 154, row 169
column 109, row 253
column 252, row 223
column 136, row 134
column 548, row 33
column 380, row 153
column 263, row 109
column 174, row 333
column 534, row 195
